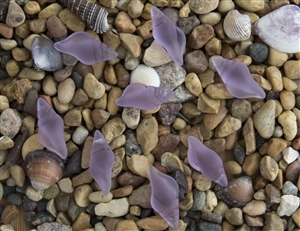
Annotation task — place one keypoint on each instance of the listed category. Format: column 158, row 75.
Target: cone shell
column 238, row 192
column 237, row 26
column 145, row 75
column 43, row 168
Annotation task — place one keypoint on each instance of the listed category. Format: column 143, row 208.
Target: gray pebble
column 131, row 145
column 187, row 24
column 42, row 217
column 78, row 80
column 80, row 134
column 289, row 188
column 14, row 199
column 53, row 226
column 206, row 226
column 199, row 200
column 258, row 52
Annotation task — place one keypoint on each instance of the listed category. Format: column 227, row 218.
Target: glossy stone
column 164, row 196
column 258, row 52
column 85, row 48
column 206, row 161
column 144, row 97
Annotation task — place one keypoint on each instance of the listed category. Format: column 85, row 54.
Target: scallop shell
column 238, row 192
column 280, row 29
column 43, row 168
column 145, row 75
column 237, row 26
column 92, row 14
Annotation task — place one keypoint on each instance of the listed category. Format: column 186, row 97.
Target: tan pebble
column 251, row 163
column 276, row 58
column 12, row 68
column 99, row 117
column 71, row 21
column 187, row 203
column 3, row 156
column 33, row 194
column 31, row 74
column 15, row 15
column 110, row 75
column 296, row 217
column 208, row 105
column 122, row 191
column 145, row 31
column 113, row 128
column 7, row 227
column 22, row 88
column 221, row 208
column 38, row 25
column 211, row 121
column 289, row 84
column 218, row 91
column 227, row 226
column 190, row 110
column 8, row 44
column 287, row 99
column 113, row 208
column 87, row 117
column 4, row 172
column 152, row 223
column 242, row 48
column 139, row 164
column 292, row 69
column 225, row 6
column 112, row 40
column 185, row 10
column 52, row 9
column 273, row 222
column 247, row 60
column 65, row 185
column 228, row 126
column 99, row 197
column 288, row 122
column 124, row 23
column 28, row 40
column 249, row 136
column 81, row 195
column 82, row 222
column 264, row 83
column 135, row 9
column 86, row 151
column 51, row 192
column 31, row 144
column 200, row 35
column 93, row 88
column 255, row 208
column 32, row 7
column 211, row 201
column 126, row 225
column 227, row 52
column 9, row 213
column 132, row 43
column 201, row 182
column 135, row 210
column 211, row 18
column 213, row 47
column 73, row 117
column 84, row 177
column 61, row 108
column 23, row 31
column 18, row 174
column 4, row 103
column 171, row 162
column 234, row 216
column 232, row 167
column 112, row 96
column 268, row 168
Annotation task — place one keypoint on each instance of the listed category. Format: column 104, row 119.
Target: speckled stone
column 131, row 146
column 187, row 24
column 258, row 52
column 168, row 112
column 196, row 62
column 10, row 122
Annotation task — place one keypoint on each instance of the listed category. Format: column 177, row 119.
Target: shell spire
column 92, row 14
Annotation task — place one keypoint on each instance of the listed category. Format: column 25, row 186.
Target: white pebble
column 80, row 134
column 290, row 154
column 288, row 205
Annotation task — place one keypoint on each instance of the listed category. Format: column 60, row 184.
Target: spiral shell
column 145, row 75
column 43, row 168
column 92, row 14
column 237, row 26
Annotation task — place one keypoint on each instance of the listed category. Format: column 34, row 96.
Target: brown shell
column 92, row 14
column 238, row 192
column 43, row 168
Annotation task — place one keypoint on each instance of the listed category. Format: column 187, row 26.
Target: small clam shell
column 145, row 75
column 238, row 192
column 237, row 26
column 43, row 168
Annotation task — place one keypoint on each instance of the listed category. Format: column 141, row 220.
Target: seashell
column 164, row 196
column 237, row 26
column 206, row 161
column 144, row 97
column 43, row 168
column 44, row 55
column 280, row 29
column 237, row 78
column 85, row 48
column 51, row 129
column 145, row 75
column 101, row 162
column 238, row 192
column 94, row 15
column 168, row 35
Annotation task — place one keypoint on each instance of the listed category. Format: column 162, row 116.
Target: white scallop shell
column 145, row 75
column 237, row 26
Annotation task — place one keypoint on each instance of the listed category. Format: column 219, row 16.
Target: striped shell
column 92, row 14
column 237, row 26
column 145, row 75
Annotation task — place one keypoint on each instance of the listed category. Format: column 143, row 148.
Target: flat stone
column 156, row 55
column 288, row 205
column 288, row 121
column 113, row 208
column 131, row 117
column 139, row 164
column 70, row 20
column 113, row 128
column 228, row 126
column 53, row 226
column 141, row 196
column 196, row 62
column 132, row 43
column 93, row 88
column 15, row 15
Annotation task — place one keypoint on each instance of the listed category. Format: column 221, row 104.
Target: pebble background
column 258, row 139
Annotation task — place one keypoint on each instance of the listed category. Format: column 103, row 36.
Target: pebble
column 288, row 121
column 113, row 208
column 211, row 201
column 200, row 36
column 273, row 222
column 80, row 134
column 99, row 197
column 6, row 143
column 15, row 15
column 193, row 84
column 171, row 162
column 252, row 5
column 276, row 58
column 288, row 205
column 234, row 216
column 188, row 23
column 22, row 88
column 73, row 117
column 141, row 196
column 182, row 95
column 82, row 222
column 232, row 167
column 53, row 226
column 56, row 27
column 264, row 119
column 268, row 168
column 113, row 128
column 258, row 52
column 65, row 185
column 171, row 75
column 128, row 178
column 203, row 7
column 139, row 164
column 206, row 104
column 291, row 69
column 6, row 31
column 147, row 134
column 287, row 99
column 93, row 88
column 122, row 191
column 199, row 199
column 126, row 224
column 31, row 74
column 290, row 154
column 32, row 7
column 28, row 205
column 6, row 227
column 293, row 171
column 82, row 178
column 296, row 217
column 156, row 55
column 168, row 112
column 255, row 208
column 70, row 20
column 99, row 117
column 153, row 223
column 289, row 188
column 228, row 126
column 81, row 195
column 34, row 194
column 203, row 226
column 124, row 23
column 4, row 103
column 18, row 175
column 132, row 43
column 131, row 117
column 9, row 213
column 10, row 123
column 14, row 199
column 196, row 62
column 8, row 44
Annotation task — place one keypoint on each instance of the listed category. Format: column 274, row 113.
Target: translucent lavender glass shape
column 168, row 35
column 164, row 196
column 101, row 162
column 238, row 79
column 85, row 48
column 144, row 97
column 206, row 161
column 51, row 129
column 44, row 55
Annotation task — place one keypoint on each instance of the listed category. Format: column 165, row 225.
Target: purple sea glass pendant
column 164, row 196
column 44, row 55
column 51, row 129
column 206, row 161
column 238, row 79
column 144, row 97
column 85, row 48
column 101, row 162
column 168, row 35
